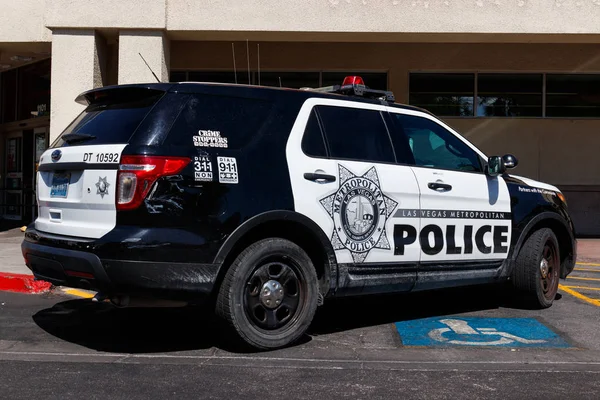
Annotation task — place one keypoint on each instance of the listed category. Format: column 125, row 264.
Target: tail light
column 137, row 174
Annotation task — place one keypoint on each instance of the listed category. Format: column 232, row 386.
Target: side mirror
column 495, row 166
column 510, row 161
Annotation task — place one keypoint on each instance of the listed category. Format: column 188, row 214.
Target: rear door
column 345, row 178
column 77, row 175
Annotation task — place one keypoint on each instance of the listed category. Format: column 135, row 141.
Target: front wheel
column 269, row 294
column 537, row 268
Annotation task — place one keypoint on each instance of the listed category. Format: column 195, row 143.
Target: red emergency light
column 353, row 80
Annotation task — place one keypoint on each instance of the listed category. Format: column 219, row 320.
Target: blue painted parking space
column 474, row 331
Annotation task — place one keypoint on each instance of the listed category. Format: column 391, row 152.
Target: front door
column 345, row 178
column 465, row 214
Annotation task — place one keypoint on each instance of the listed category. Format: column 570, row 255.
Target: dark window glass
column 178, row 76
column 34, row 90
column 295, row 80
column 111, row 120
column 237, row 119
column 434, row 146
column 356, row 134
column 312, row 141
column 373, row 80
column 509, row 95
column 216, row 76
column 573, row 95
column 443, row 94
column 8, row 99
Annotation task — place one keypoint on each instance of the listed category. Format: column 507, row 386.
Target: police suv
column 267, row 201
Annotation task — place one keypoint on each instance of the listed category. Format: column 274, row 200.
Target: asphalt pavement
column 57, row 346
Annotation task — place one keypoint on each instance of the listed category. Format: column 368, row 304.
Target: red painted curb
column 22, row 283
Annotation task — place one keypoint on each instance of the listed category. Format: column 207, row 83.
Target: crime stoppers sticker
column 228, row 172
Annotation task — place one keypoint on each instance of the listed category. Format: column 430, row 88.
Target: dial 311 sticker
column 228, row 172
column 203, row 169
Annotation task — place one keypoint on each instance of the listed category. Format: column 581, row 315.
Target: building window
column 509, row 95
column 572, row 95
column 443, row 94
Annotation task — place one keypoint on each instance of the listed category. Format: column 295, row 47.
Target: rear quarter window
column 219, row 122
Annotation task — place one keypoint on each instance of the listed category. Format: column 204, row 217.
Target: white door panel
column 470, row 218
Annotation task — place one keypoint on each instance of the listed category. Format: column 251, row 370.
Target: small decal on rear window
column 210, row 139
column 203, row 169
column 228, row 172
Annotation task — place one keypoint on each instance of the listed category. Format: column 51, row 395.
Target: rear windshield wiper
column 77, row 137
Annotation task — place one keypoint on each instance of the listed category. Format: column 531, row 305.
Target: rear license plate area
column 60, row 185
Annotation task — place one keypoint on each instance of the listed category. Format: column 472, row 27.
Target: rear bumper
column 85, row 270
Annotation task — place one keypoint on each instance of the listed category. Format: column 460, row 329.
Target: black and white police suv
column 268, row 200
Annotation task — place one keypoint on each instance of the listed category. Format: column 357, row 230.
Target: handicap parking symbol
column 473, row 331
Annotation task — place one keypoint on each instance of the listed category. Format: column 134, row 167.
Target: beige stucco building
column 518, row 76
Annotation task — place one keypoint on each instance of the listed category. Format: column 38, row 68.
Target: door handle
column 439, row 187
column 320, row 178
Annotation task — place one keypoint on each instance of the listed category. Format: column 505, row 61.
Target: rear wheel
column 537, row 268
column 269, row 294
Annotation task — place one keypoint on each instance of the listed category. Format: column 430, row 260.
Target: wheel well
column 562, row 235
column 293, row 231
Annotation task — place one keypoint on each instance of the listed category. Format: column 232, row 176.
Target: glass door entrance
column 13, row 185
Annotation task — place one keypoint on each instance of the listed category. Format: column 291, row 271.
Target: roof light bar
column 355, row 86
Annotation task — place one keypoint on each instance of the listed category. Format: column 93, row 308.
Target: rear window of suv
column 111, row 119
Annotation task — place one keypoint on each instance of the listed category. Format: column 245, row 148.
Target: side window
column 434, row 146
column 229, row 122
column 312, row 142
column 356, row 134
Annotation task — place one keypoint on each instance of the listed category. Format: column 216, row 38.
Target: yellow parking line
column 79, row 293
column 583, row 279
column 587, row 269
column 588, row 264
column 580, row 296
column 582, row 287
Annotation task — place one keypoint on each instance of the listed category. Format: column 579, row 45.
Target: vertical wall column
column 78, row 64
column 153, row 46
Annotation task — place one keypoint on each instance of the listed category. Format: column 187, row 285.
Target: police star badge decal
column 102, row 186
column 359, row 211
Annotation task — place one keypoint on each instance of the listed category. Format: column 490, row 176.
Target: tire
column 537, row 283
column 250, row 283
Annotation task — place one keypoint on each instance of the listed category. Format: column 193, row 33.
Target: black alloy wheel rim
column 274, row 294
column 549, row 266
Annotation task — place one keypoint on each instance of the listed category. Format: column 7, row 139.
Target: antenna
column 234, row 69
column 258, row 52
column 248, row 58
column 155, row 77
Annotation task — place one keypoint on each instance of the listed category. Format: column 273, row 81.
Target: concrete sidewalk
column 11, row 259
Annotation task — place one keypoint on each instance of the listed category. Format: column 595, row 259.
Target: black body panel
column 534, row 208
column 84, row 264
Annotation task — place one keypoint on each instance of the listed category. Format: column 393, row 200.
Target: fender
column 283, row 216
column 547, row 215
